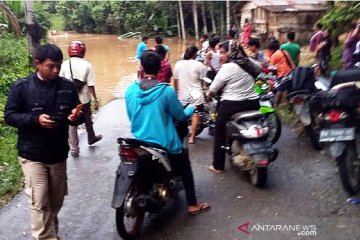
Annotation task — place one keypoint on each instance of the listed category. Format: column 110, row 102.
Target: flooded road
column 113, row 59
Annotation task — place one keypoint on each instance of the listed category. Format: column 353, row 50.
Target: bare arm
column 93, row 94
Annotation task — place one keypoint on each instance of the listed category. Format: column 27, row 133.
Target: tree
column 32, row 27
column 196, row 23
column 205, row 30
column 11, row 18
column 182, row 22
column 212, row 16
column 228, row 15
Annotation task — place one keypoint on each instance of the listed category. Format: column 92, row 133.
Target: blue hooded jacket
column 152, row 113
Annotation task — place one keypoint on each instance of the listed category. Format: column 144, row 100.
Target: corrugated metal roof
column 294, row 8
column 288, row 5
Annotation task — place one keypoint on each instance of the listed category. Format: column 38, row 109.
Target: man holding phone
column 42, row 106
column 78, row 68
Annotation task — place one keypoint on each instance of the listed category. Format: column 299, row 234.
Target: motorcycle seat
column 246, row 114
column 137, row 143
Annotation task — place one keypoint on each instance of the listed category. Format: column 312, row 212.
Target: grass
column 57, row 22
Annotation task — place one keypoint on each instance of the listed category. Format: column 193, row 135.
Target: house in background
column 280, row 17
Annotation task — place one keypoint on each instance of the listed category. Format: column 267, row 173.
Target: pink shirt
column 315, row 40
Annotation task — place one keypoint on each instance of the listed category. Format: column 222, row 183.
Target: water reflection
column 113, row 59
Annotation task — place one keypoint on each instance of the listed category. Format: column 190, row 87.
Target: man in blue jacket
column 152, row 107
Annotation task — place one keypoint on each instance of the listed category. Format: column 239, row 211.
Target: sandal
column 201, row 207
column 191, row 141
column 212, row 169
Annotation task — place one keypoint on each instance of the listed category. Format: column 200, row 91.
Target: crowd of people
column 46, row 108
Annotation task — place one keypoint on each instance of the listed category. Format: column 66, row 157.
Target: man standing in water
column 141, row 47
column 78, row 68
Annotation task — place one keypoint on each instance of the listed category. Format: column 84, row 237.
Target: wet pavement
column 304, row 190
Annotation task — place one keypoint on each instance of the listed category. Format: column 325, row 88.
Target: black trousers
column 180, row 164
column 225, row 111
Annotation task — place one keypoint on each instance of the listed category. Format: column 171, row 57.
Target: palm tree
column 204, row 17
column 227, row 15
column 11, row 18
column 182, row 22
column 212, row 16
column 196, row 22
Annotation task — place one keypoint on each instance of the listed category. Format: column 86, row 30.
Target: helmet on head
column 76, row 49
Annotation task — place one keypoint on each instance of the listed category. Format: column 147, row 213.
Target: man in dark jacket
column 41, row 106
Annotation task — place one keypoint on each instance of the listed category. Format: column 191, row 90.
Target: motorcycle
column 207, row 114
column 341, row 129
column 144, row 181
column 299, row 97
column 247, row 146
column 263, row 87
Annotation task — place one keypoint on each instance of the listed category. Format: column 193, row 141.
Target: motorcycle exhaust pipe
column 149, row 204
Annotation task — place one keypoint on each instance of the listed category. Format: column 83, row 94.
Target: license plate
column 252, row 148
column 336, row 135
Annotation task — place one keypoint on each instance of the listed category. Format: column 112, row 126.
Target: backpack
column 303, row 79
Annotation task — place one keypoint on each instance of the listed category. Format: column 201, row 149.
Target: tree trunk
column 222, row 22
column 205, row 30
column 196, row 22
column 182, row 22
column 178, row 22
column 228, row 27
column 212, row 16
column 33, row 28
column 11, row 18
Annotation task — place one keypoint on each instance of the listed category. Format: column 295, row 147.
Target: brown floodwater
column 113, row 59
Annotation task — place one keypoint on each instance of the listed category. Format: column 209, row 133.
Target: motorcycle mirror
column 207, row 80
column 196, row 94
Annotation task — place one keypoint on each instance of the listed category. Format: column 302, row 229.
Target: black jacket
column 27, row 100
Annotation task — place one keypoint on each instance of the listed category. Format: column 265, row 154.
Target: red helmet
column 76, row 49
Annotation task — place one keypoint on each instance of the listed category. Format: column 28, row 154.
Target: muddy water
column 113, row 59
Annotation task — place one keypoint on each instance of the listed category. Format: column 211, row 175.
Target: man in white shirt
column 188, row 74
column 78, row 68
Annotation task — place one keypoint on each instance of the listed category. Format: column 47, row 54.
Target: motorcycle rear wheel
column 129, row 212
column 259, row 176
column 349, row 168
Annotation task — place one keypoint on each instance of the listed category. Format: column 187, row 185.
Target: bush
column 14, row 61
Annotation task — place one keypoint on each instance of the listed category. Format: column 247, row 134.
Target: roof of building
column 283, row 6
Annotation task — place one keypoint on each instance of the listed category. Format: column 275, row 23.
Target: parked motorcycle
column 207, row 114
column 247, row 145
column 144, row 181
column 340, row 117
column 263, row 87
column 300, row 91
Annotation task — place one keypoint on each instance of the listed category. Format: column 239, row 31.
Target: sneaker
column 96, row 139
column 75, row 154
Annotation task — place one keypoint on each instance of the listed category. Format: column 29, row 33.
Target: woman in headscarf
column 237, row 95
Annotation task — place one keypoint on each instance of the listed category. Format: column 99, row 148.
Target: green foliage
column 336, row 54
column 341, row 15
column 10, row 170
column 57, row 22
column 14, row 60
column 14, row 63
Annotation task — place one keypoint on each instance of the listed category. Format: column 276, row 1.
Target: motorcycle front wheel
column 349, row 168
column 129, row 218
column 275, row 128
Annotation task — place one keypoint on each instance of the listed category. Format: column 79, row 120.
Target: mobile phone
column 78, row 108
column 56, row 118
